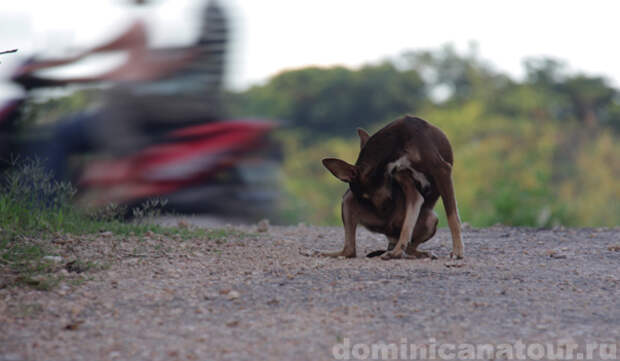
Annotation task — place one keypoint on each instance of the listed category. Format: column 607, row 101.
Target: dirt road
column 255, row 297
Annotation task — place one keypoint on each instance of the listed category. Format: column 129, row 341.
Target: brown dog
column 400, row 173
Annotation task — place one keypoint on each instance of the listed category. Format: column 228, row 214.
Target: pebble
column 263, row 225
column 233, row 295
column 56, row 259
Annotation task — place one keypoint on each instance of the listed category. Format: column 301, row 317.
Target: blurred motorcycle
column 228, row 168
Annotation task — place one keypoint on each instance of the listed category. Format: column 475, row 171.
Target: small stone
column 273, row 302
column 75, row 311
column 106, row 234
column 615, row 248
column 233, row 295
column 210, row 296
column 555, row 254
column 234, row 323
column 263, row 225
column 56, row 259
column 63, row 289
column 74, row 325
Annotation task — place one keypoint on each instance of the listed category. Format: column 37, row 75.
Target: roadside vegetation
column 37, row 216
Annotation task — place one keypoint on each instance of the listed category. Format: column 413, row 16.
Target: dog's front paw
column 456, row 255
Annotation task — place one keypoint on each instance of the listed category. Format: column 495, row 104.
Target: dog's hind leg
column 424, row 230
column 443, row 177
column 413, row 201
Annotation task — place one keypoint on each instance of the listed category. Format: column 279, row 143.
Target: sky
column 274, row 35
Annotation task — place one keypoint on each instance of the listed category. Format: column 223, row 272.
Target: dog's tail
column 376, row 253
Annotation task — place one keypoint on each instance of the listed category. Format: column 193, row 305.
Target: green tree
column 334, row 100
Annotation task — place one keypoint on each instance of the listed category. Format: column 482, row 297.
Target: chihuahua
column 399, row 174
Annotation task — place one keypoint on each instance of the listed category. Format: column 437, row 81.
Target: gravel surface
column 255, row 296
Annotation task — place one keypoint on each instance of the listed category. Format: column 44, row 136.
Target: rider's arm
column 133, row 39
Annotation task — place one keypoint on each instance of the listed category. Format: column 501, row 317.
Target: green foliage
column 329, row 100
column 540, row 152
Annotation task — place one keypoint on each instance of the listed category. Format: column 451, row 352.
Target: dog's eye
column 365, row 196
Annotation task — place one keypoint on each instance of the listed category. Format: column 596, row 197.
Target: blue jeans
column 72, row 135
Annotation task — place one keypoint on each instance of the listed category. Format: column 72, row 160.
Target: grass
column 25, row 264
column 33, row 204
column 34, row 209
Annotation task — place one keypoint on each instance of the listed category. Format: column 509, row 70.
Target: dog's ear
column 341, row 169
column 363, row 137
